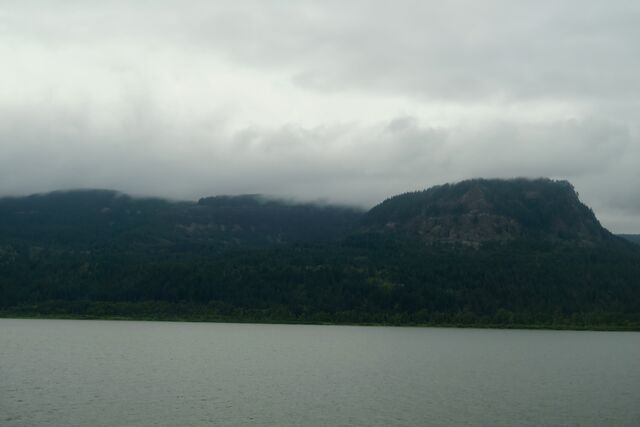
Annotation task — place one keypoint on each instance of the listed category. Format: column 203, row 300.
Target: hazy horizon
column 346, row 103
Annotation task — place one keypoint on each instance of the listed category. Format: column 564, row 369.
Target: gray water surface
column 117, row 373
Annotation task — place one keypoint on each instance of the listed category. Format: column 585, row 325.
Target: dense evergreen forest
column 510, row 253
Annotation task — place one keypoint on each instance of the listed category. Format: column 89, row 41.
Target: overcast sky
column 343, row 101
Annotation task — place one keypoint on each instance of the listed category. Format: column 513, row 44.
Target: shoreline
column 195, row 319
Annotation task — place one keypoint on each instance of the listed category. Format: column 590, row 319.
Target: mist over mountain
column 336, row 104
column 478, row 252
column 106, row 217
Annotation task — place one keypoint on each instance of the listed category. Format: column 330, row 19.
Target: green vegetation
column 103, row 255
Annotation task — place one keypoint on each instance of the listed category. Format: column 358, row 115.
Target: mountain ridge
column 104, row 255
column 468, row 212
column 478, row 210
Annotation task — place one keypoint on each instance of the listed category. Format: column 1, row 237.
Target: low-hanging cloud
column 319, row 100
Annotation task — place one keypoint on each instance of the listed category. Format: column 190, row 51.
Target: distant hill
column 507, row 253
column 95, row 217
column 469, row 212
column 250, row 216
column 479, row 210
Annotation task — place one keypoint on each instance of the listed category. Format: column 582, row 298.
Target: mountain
column 479, row 210
column 507, row 253
column 95, row 218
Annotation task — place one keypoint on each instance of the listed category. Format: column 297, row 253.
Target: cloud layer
column 348, row 102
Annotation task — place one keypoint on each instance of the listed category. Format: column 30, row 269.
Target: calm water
column 103, row 373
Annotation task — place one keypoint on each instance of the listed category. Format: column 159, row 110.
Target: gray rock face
column 479, row 210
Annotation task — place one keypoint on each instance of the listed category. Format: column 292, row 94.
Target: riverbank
column 158, row 317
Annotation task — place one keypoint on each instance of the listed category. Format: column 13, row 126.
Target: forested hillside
column 98, row 218
column 537, row 257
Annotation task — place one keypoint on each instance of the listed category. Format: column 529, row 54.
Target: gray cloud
column 343, row 101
